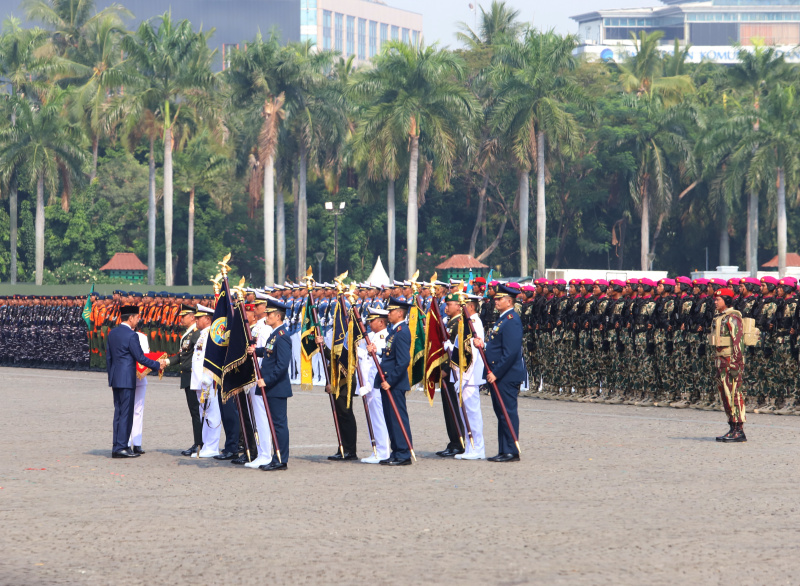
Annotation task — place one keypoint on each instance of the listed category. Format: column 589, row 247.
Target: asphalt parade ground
column 603, row 495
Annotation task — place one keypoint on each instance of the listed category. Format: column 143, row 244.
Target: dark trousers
column 277, row 408
column 400, row 448
column 347, row 422
column 230, row 423
column 453, row 427
column 247, row 432
column 509, row 391
column 194, row 411
column 123, row 417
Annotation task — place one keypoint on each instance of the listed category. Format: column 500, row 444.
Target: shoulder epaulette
column 510, row 316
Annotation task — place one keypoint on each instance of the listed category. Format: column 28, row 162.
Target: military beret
column 587, row 282
column 633, row 281
column 769, row 280
column 528, row 288
column 718, row 282
column 647, row 282
column 667, row 282
column 700, row 282
column 734, row 281
column 479, row 281
column 724, row 292
column 751, row 281
column 684, row 280
column 602, row 282
column 617, row 282
column 789, row 282
column 136, row 294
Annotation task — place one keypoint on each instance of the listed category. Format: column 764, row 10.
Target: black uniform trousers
column 277, row 408
column 400, row 448
column 510, row 392
column 230, row 422
column 194, row 411
column 347, row 422
column 453, row 427
column 247, row 431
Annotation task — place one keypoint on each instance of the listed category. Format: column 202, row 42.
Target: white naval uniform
column 138, row 399
column 374, row 402
column 471, row 396
column 261, row 331
column 202, row 381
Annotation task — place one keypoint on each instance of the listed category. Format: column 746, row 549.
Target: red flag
column 435, row 354
column 142, row 371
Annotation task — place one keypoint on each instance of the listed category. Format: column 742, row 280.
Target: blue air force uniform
column 504, row 358
column 395, row 359
column 276, row 356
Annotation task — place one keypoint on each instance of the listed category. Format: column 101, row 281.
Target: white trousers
column 212, row 426
column 375, row 406
column 471, row 397
column 317, row 367
column 294, row 365
column 262, row 425
column 138, row 413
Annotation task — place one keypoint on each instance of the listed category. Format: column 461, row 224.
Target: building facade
column 712, row 27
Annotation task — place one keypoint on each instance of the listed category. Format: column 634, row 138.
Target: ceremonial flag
column 217, row 345
column 337, row 344
column 464, row 352
column 435, row 354
column 488, row 280
column 469, row 282
column 308, row 330
column 142, row 371
column 239, row 372
column 416, row 366
column 87, row 309
column 351, row 356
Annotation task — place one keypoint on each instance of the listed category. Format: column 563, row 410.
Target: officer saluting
column 276, row 356
column 505, row 367
column 395, row 359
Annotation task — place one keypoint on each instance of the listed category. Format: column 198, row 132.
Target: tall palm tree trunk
column 473, row 241
column 724, row 238
column 95, row 148
column 151, row 218
column 190, row 244
column 412, row 210
column 523, row 195
column 752, row 218
column 269, row 222
column 645, row 234
column 13, row 215
column 168, row 281
column 39, row 229
column 541, row 211
column 391, row 225
column 302, row 213
column 781, row 211
column 280, row 231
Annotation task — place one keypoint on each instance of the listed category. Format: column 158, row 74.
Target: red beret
column 724, row 291
column 479, row 281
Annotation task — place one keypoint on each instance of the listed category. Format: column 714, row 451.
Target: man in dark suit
column 504, row 366
column 123, row 352
column 276, row 356
column 184, row 358
column 395, row 359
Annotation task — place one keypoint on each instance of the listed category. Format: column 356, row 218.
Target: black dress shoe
column 274, row 466
column 124, row 454
column 385, row 462
column 396, row 462
column 241, row 460
column 449, row 452
column 190, row 451
column 138, row 450
column 505, row 458
column 347, row 456
column 225, row 455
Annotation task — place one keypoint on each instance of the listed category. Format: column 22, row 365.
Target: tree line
column 104, row 130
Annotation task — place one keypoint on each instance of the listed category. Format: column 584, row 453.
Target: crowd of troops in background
column 633, row 342
column 646, row 343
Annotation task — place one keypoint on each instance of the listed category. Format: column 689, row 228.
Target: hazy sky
column 440, row 16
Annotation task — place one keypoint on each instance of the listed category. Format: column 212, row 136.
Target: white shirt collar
column 127, row 324
column 505, row 312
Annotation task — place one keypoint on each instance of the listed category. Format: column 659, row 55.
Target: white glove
column 449, row 346
column 363, row 391
column 362, row 353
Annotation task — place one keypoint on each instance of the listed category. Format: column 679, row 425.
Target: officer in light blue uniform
column 275, row 357
column 396, row 356
column 505, row 367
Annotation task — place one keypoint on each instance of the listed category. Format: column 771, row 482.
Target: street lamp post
column 319, row 256
column 336, row 213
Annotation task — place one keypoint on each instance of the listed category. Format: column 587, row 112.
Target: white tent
column 378, row 275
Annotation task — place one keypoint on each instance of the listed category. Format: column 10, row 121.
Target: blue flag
column 218, row 335
column 469, row 283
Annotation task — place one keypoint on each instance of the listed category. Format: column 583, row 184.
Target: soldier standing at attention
column 505, row 368
column 728, row 342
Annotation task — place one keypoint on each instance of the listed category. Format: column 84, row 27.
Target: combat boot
column 738, row 434
column 729, row 435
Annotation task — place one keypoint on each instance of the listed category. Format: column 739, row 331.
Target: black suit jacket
column 184, row 357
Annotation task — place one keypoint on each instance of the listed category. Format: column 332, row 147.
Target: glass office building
column 711, row 27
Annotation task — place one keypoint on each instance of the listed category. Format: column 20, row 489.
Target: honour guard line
column 680, row 343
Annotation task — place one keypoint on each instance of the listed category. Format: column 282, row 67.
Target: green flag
column 87, row 309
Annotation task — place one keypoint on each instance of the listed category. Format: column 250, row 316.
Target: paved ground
column 604, row 495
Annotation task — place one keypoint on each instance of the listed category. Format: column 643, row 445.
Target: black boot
column 727, row 436
column 738, row 434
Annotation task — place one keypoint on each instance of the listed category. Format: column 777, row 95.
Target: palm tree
column 416, row 94
column 534, row 84
column 45, row 150
column 202, row 162
column 497, row 26
column 659, row 133
column 174, row 65
column 21, row 65
column 756, row 73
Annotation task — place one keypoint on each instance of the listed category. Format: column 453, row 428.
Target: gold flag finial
column 415, row 276
column 242, row 281
column 309, row 272
column 224, row 267
column 309, row 278
column 434, row 276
